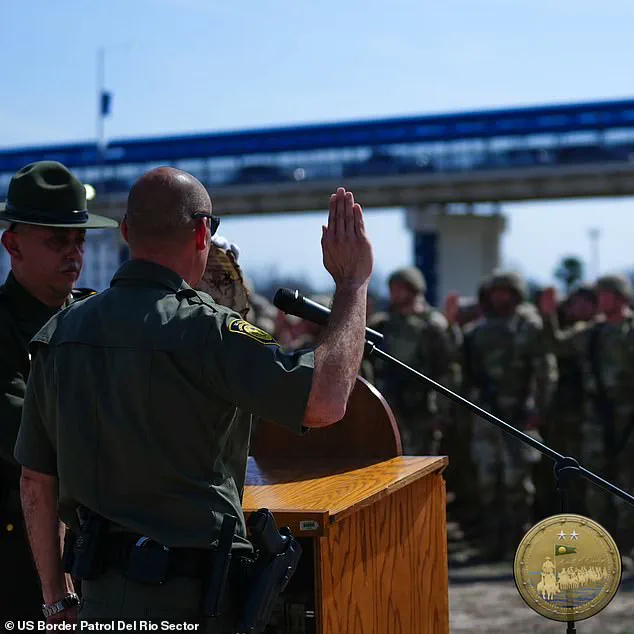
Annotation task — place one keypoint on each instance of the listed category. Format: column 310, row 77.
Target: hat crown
column 47, row 187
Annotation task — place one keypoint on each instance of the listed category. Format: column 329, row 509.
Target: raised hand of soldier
column 451, row 307
column 347, row 252
column 548, row 302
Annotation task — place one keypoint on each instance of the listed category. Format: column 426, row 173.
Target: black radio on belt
column 148, row 562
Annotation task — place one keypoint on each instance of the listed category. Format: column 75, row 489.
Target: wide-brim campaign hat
column 48, row 194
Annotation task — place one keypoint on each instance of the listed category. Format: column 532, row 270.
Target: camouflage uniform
column 422, row 341
column 606, row 352
column 509, row 372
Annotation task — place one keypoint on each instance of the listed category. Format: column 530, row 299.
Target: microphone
column 294, row 303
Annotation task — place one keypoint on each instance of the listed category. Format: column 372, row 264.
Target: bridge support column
column 454, row 246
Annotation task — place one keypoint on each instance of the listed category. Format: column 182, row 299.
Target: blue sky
column 194, row 65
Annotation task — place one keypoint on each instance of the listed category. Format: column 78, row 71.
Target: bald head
column 160, row 208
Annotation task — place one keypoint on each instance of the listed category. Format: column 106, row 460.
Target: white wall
column 468, row 246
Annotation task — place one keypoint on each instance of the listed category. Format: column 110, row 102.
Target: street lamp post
column 595, row 235
column 101, row 125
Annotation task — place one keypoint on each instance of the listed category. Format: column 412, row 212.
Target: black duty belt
column 182, row 562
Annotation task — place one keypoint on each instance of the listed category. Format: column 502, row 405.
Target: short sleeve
column 246, row 366
column 33, row 448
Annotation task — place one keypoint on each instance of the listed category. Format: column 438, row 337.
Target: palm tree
column 570, row 271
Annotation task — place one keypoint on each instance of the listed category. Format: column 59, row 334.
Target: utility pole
column 595, row 235
column 103, row 99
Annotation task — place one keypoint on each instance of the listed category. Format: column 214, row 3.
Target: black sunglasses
column 214, row 221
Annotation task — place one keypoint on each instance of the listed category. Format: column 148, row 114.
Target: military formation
column 560, row 371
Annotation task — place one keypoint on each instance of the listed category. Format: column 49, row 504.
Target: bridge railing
column 363, row 162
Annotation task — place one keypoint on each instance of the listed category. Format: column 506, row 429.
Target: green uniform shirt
column 133, row 403
column 21, row 316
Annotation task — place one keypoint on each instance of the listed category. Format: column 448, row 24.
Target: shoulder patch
column 242, row 327
column 82, row 293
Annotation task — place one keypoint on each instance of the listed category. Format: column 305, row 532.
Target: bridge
column 422, row 163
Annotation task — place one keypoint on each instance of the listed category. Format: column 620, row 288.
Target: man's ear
column 124, row 229
column 11, row 243
column 202, row 236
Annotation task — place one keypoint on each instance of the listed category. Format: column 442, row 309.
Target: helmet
column 588, row 291
column 618, row 284
column 412, row 276
column 508, row 279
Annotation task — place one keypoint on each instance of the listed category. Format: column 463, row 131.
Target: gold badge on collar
column 245, row 328
column 567, row 568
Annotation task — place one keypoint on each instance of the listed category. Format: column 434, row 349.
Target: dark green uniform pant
column 20, row 596
column 112, row 597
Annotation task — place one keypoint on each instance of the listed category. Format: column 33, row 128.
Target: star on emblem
column 562, row 535
column 574, row 535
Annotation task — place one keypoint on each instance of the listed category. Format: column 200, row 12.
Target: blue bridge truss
column 502, row 139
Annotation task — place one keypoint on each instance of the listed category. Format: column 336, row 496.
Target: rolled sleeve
column 33, row 448
column 248, row 368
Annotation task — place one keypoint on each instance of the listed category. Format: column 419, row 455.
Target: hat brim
column 94, row 221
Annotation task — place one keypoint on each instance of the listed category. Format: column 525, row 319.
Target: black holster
column 266, row 577
column 84, row 554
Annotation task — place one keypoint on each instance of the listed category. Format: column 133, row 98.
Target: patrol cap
column 48, row 194
column 412, row 276
column 618, row 284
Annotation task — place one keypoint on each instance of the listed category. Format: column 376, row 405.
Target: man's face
column 45, row 257
column 581, row 308
column 401, row 294
column 609, row 302
column 502, row 299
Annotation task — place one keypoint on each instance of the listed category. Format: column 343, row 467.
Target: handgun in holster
column 84, row 554
column 277, row 556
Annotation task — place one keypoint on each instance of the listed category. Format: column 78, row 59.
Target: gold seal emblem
column 567, row 568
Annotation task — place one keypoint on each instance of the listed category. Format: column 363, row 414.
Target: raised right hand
column 346, row 249
column 548, row 302
column 451, row 308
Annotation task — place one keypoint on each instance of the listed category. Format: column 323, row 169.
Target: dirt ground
column 481, row 602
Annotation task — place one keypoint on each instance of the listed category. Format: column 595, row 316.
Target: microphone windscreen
column 285, row 299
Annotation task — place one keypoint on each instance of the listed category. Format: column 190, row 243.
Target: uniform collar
column 144, row 273
column 25, row 304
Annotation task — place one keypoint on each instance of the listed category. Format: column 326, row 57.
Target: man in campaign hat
column 46, row 215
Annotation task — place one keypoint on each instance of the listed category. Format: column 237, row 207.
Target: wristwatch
column 71, row 600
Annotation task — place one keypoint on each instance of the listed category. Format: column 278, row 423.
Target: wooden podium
column 371, row 523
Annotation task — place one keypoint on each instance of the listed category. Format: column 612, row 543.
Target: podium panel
column 374, row 539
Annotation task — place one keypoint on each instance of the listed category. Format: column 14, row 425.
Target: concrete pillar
column 454, row 250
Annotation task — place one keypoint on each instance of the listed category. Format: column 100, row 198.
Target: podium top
column 325, row 492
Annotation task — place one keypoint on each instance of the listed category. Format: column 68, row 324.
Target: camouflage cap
column 412, row 276
column 618, row 284
column 510, row 280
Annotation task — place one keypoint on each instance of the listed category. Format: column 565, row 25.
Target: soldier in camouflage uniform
column 508, row 372
column 417, row 335
column 605, row 349
column 568, row 409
